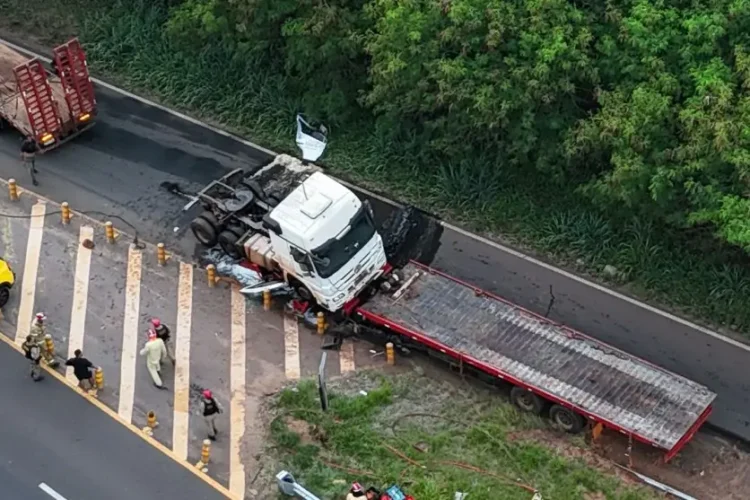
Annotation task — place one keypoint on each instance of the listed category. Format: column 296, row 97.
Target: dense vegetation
column 604, row 132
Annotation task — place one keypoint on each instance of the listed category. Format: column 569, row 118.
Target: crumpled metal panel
column 646, row 400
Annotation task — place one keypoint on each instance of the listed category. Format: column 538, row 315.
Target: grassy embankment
column 688, row 273
column 430, row 439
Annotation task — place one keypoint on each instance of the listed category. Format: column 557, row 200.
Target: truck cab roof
column 315, row 211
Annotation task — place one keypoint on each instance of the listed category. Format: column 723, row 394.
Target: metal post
column 322, row 390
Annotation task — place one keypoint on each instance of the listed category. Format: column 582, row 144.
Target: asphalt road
column 50, row 435
column 119, row 165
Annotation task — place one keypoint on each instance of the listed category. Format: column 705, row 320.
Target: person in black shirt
column 82, row 370
column 162, row 331
column 28, row 155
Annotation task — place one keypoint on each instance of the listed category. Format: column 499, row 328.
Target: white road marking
column 181, row 427
column 130, row 334
column 28, row 288
column 48, row 490
column 237, row 383
column 80, row 298
column 291, row 347
column 446, row 225
column 346, row 357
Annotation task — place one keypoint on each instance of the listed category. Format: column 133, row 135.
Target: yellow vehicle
column 7, row 280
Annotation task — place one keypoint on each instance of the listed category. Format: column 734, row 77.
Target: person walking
column 28, row 156
column 34, row 355
column 162, row 331
column 82, row 370
column 210, row 409
column 155, row 352
column 39, row 332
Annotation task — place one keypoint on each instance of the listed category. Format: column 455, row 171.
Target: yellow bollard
column 266, row 300
column 109, row 231
column 49, row 344
column 161, row 254
column 206, row 451
column 211, row 271
column 390, row 354
column 65, row 212
column 321, row 323
column 13, row 190
column 99, row 378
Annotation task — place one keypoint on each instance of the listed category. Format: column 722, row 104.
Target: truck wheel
column 228, row 242
column 566, row 419
column 526, row 400
column 4, row 294
column 204, row 229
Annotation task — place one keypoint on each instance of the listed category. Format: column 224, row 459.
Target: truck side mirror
column 301, row 259
column 370, row 211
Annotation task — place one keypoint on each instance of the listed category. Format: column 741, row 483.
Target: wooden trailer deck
column 500, row 338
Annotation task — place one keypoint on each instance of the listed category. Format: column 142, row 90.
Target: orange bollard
column 321, row 323
column 65, row 212
column 109, row 231
column 99, row 378
column 390, row 354
column 266, row 300
column 161, row 254
column 13, row 190
column 211, row 272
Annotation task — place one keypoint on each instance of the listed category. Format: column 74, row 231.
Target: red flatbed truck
column 50, row 109
column 552, row 368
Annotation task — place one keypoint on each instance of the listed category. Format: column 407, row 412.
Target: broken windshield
column 333, row 254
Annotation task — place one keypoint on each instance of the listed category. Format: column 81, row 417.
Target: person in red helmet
column 210, row 409
column 162, row 332
column 356, row 492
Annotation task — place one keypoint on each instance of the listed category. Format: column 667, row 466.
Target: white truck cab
column 323, row 236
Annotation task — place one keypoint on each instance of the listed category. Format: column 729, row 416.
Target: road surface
column 51, row 435
column 119, row 165
column 101, row 300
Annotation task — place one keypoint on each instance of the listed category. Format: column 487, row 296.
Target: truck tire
column 228, row 242
column 4, row 294
column 567, row 420
column 205, row 229
column 526, row 400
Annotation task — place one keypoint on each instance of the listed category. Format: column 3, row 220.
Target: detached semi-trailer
column 48, row 108
column 297, row 226
column 552, row 368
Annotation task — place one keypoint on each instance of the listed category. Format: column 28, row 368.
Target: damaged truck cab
column 290, row 219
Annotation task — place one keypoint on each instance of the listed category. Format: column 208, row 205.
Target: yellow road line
column 28, row 289
column 80, row 297
column 130, row 334
column 346, row 357
column 291, row 347
column 237, row 386
column 135, row 430
column 181, row 428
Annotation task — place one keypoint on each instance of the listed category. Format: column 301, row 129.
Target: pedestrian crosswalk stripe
column 28, row 288
column 130, row 334
column 291, row 347
column 346, row 357
column 237, row 386
column 80, row 297
column 181, row 423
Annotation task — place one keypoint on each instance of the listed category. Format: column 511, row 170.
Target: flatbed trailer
column 545, row 362
column 49, row 108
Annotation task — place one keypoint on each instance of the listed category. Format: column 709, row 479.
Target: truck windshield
column 333, row 254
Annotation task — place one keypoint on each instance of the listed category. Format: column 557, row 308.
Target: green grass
column 471, row 428
column 687, row 272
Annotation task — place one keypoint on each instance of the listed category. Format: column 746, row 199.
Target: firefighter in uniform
column 39, row 332
column 210, row 409
column 34, row 355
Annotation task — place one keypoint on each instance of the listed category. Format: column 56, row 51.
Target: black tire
column 228, row 242
column 526, row 400
column 303, row 293
column 205, row 231
column 4, row 294
column 567, row 420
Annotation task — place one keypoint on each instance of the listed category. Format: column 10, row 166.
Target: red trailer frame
column 465, row 359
